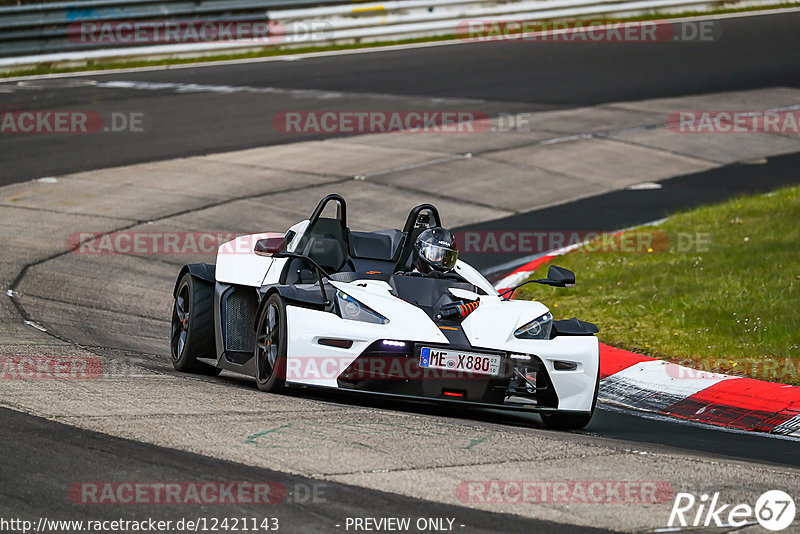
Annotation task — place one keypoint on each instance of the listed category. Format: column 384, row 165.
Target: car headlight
column 539, row 328
column 350, row 308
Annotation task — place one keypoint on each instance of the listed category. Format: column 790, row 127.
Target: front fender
column 310, row 297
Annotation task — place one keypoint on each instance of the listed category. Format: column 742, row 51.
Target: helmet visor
column 441, row 257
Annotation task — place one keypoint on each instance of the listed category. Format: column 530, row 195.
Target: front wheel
column 566, row 421
column 270, row 346
column 572, row 421
column 192, row 329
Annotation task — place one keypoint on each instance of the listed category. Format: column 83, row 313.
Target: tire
column 192, row 330
column 571, row 421
column 270, row 345
column 566, row 421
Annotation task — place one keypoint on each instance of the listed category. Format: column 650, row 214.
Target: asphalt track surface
column 514, row 77
column 61, row 451
column 750, row 53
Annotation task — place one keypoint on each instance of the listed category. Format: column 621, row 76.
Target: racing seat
column 374, row 251
column 326, row 245
column 328, row 252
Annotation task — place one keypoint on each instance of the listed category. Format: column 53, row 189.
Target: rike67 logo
column 774, row 510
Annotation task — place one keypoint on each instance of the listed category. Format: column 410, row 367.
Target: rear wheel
column 192, row 330
column 270, row 346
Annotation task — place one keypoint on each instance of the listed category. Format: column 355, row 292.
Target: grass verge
column 117, row 63
column 719, row 291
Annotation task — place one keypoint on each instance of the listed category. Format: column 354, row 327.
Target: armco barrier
column 44, row 28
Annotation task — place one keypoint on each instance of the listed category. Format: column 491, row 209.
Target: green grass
column 731, row 306
column 280, row 50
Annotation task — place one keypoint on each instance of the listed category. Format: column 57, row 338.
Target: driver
column 435, row 252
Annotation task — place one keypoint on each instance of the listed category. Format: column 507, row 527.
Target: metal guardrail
column 42, row 31
column 44, row 28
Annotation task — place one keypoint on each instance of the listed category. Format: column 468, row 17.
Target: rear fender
column 203, row 271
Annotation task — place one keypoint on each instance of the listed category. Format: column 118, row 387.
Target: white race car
column 324, row 306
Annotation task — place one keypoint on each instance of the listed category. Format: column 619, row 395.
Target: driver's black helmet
column 435, row 250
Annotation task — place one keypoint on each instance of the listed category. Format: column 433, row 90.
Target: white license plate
column 454, row 360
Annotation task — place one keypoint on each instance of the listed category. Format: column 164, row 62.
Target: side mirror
column 556, row 276
column 269, row 246
column 559, row 277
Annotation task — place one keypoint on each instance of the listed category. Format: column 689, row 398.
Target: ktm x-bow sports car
column 323, row 306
